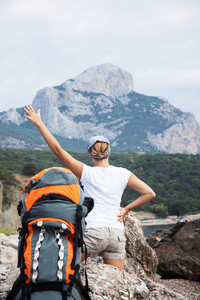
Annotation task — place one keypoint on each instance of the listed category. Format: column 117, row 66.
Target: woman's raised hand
column 32, row 116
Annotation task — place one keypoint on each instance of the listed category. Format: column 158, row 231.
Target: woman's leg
column 118, row 263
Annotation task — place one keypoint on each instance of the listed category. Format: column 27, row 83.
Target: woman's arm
column 71, row 163
column 146, row 192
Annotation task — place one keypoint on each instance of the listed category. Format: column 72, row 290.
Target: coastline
column 170, row 220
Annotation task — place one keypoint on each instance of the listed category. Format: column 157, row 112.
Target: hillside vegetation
column 174, row 177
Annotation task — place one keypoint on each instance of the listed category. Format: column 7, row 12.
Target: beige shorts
column 106, row 242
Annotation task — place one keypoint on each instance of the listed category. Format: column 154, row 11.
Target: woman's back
column 106, row 186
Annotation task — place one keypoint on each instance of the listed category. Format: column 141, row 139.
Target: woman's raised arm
column 71, row 163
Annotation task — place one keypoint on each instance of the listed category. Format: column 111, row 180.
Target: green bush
column 30, row 169
column 6, row 176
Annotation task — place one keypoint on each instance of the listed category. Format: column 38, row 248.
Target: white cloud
column 29, row 9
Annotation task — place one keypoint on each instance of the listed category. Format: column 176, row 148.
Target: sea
column 151, row 228
column 147, row 229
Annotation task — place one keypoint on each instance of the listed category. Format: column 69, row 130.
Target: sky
column 45, row 42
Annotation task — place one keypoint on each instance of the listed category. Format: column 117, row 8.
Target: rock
column 140, row 258
column 180, row 135
column 1, row 195
column 9, row 217
column 101, row 101
column 178, row 250
column 160, row 292
column 12, row 116
column 105, row 79
column 105, row 281
column 1, row 204
column 14, row 143
column 108, row 282
column 8, row 261
column 154, row 239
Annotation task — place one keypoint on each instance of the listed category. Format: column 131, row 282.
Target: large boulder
column 107, row 282
column 178, row 250
column 141, row 259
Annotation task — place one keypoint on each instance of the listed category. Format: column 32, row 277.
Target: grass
column 7, row 231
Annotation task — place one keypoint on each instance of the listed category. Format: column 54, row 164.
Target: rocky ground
column 118, row 284
column 189, row 289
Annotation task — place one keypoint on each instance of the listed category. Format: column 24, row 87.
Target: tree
column 30, row 169
column 177, row 207
column 159, row 209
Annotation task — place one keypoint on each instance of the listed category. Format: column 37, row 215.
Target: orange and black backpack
column 51, row 238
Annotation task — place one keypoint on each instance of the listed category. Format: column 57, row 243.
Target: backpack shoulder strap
column 19, row 282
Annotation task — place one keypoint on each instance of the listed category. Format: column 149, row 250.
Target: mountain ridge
column 101, row 101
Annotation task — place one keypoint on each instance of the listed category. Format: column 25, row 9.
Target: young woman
column 104, row 183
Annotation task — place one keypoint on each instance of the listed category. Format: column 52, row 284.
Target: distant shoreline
column 158, row 222
column 167, row 221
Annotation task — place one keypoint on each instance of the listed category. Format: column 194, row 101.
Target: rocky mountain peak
column 12, row 116
column 101, row 101
column 106, row 79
